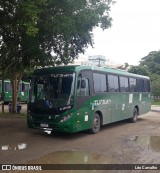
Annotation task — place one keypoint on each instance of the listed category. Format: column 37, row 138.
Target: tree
column 141, row 70
column 152, row 61
column 150, row 66
column 31, row 30
column 155, row 86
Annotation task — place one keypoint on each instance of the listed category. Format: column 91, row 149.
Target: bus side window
column 83, row 87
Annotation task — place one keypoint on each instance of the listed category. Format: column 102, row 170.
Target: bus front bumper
column 54, row 127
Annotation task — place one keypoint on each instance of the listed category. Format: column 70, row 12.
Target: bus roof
column 77, row 68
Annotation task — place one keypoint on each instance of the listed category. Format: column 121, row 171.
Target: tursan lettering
column 100, row 102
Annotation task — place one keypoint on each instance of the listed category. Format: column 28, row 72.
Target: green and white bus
column 23, row 91
column 76, row 98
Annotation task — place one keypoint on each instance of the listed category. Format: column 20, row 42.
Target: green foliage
column 31, row 30
column 155, row 78
column 152, row 61
column 142, row 70
column 154, row 102
column 150, row 66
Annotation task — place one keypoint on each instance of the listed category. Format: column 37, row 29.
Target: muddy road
column 118, row 143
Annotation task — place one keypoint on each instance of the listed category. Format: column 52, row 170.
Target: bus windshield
column 54, row 91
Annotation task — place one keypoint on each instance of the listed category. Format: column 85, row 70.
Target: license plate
column 44, row 125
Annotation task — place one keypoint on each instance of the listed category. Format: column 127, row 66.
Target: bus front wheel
column 96, row 123
column 135, row 114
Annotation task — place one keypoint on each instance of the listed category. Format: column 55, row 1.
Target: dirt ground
column 117, row 143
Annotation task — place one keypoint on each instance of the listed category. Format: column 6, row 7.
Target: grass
column 154, row 102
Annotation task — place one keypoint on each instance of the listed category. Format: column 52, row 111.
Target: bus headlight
column 65, row 118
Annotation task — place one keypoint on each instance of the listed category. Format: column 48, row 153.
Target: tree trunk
column 2, row 94
column 15, row 87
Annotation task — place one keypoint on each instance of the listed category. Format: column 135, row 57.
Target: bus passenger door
column 83, row 88
column 83, row 96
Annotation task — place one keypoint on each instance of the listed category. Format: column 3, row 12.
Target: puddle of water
column 20, row 146
column 148, row 142
column 73, row 157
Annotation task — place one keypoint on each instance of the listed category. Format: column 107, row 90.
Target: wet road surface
column 118, row 143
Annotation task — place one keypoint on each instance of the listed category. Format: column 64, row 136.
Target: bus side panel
column 126, row 106
column 133, row 101
column 84, row 117
column 116, row 106
column 102, row 105
column 84, row 114
column 142, row 101
column 122, row 105
column 145, row 100
column 112, row 106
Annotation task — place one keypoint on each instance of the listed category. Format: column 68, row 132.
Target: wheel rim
column 96, row 123
column 135, row 115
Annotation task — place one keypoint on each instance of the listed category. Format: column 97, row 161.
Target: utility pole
column 97, row 58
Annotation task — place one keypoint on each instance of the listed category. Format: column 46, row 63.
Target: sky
column 134, row 33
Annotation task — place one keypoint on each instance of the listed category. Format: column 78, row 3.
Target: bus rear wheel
column 135, row 114
column 96, row 123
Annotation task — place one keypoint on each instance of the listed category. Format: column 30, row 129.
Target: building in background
column 97, row 60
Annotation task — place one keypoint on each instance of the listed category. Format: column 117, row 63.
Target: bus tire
column 96, row 124
column 135, row 114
